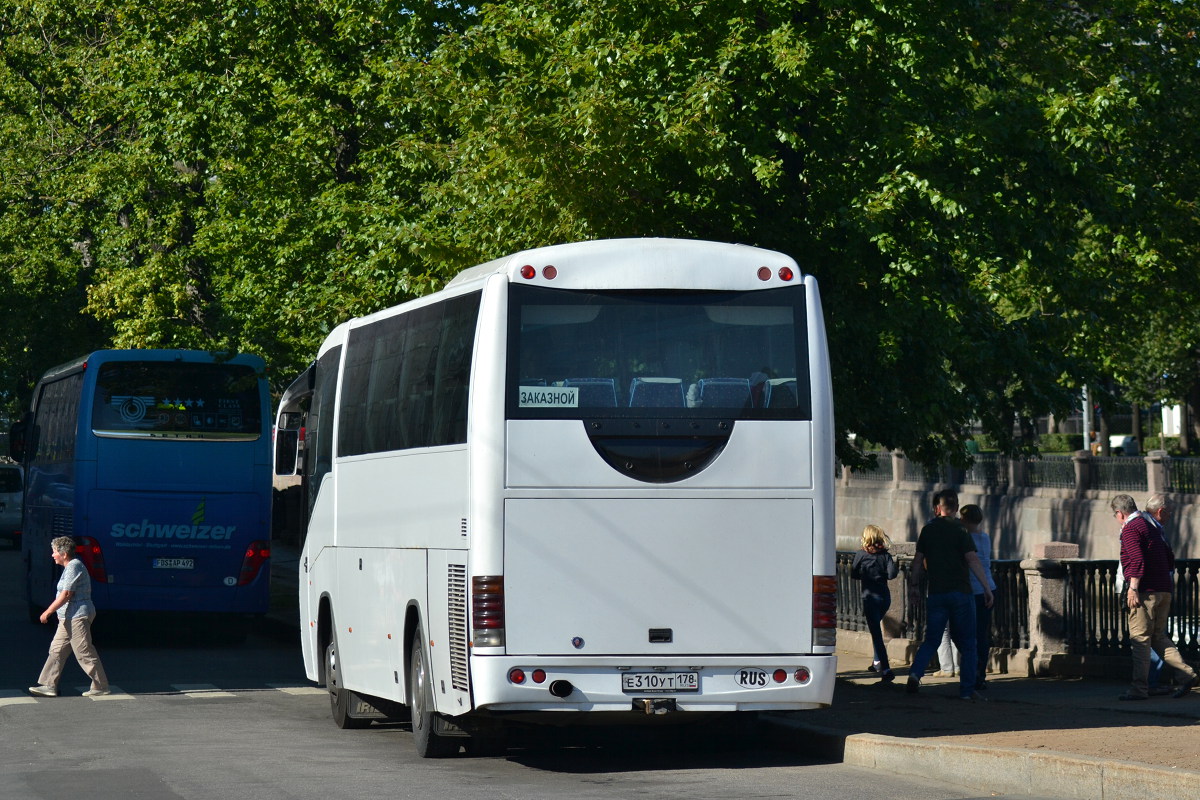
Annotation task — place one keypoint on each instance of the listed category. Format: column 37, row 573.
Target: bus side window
column 319, row 462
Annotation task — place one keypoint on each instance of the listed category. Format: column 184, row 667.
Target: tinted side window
column 407, row 379
column 57, row 420
column 319, row 461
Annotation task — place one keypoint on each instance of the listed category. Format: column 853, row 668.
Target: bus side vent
column 63, row 524
column 456, row 582
column 463, row 527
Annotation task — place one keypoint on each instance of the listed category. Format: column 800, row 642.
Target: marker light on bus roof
column 549, row 272
column 527, row 272
column 785, row 273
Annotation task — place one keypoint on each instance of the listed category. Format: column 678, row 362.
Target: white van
column 11, row 491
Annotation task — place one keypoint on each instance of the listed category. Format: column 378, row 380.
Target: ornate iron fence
column 1010, row 616
column 1051, row 472
column 883, row 474
column 1117, row 473
column 1184, row 475
column 987, row 469
column 1095, row 620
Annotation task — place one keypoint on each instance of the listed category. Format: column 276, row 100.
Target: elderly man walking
column 1147, row 562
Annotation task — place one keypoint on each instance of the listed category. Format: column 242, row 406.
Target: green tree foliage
column 987, row 192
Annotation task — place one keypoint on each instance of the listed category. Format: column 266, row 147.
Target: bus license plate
column 660, row 682
column 174, row 563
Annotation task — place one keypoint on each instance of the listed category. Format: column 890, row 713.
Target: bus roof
column 672, row 264
column 100, row 356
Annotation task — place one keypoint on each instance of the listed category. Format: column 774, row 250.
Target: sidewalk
column 1067, row 737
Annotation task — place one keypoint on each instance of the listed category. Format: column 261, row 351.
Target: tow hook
column 650, row 705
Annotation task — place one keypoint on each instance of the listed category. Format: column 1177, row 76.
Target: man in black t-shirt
column 945, row 553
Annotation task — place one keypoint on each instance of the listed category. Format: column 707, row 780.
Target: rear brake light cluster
column 487, row 610
column 519, row 676
column 550, row 272
column 89, row 552
column 786, row 274
column 824, row 610
column 257, row 554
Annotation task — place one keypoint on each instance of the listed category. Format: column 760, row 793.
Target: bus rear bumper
column 252, row 599
column 779, row 683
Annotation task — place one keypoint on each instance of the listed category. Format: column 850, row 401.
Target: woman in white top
column 75, row 611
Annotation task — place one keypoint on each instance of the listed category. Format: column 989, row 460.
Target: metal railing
column 1095, row 619
column 1184, row 475
column 1010, row 616
column 1047, row 471
column 987, row 469
column 1118, row 473
column 1052, row 472
column 883, row 474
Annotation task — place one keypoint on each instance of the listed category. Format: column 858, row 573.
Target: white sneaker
column 43, row 691
column 97, row 692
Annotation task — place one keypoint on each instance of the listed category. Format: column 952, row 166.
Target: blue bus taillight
column 257, row 554
column 89, row 552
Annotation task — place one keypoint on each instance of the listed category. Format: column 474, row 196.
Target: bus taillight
column 257, row 554
column 89, row 552
column 824, row 610
column 487, row 610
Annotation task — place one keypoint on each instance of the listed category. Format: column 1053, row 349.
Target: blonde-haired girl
column 874, row 567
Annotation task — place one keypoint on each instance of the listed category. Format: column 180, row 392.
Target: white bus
column 593, row 478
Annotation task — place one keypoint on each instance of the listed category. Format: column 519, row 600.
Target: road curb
column 1008, row 770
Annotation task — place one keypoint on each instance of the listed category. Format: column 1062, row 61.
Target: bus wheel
column 430, row 744
column 340, row 699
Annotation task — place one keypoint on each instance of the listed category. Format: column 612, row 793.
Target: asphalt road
column 196, row 716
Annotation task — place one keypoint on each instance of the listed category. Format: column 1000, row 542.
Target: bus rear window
column 738, row 355
column 176, row 400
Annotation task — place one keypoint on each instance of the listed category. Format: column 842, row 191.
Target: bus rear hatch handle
column 661, row 635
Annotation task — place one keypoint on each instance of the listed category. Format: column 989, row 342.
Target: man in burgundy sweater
column 1147, row 562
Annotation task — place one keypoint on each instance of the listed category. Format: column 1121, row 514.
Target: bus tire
column 340, row 699
column 430, row 744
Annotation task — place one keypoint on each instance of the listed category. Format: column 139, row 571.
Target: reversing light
column 527, row 272
column 764, row 273
column 786, row 274
column 549, row 272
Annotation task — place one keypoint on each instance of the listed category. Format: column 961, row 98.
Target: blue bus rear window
column 174, row 400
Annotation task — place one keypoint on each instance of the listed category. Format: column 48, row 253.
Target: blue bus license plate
column 174, row 563
column 660, row 682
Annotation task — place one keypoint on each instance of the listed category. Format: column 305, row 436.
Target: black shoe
column 1130, row 696
column 887, row 677
column 914, row 685
column 872, row 668
column 974, row 697
column 1183, row 691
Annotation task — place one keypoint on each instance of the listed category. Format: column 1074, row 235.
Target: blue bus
column 158, row 463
